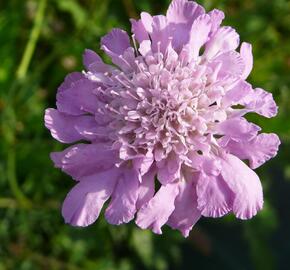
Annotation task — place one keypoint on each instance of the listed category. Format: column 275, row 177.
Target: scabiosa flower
column 165, row 111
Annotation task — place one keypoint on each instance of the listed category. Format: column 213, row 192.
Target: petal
column 67, row 128
column 261, row 102
column 183, row 11
column 215, row 199
column 69, row 80
column 160, row 34
column 147, row 21
column 257, row 151
column 169, row 169
column 84, row 159
column 247, row 56
column 198, row 35
column 93, row 62
column 145, row 47
column 225, row 39
column 236, row 94
column 78, row 99
column 185, row 214
column 238, row 129
column 216, row 17
column 122, row 207
column 246, row 186
column 84, row 202
column 117, row 41
column 139, row 30
column 146, row 188
column 180, row 16
column 117, row 46
column 232, row 64
column 156, row 212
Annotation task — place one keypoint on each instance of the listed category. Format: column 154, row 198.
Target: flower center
column 162, row 104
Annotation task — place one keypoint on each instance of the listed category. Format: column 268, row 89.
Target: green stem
column 12, row 179
column 30, row 46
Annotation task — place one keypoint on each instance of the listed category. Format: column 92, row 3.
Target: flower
column 170, row 109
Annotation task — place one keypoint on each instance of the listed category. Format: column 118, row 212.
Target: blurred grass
column 40, row 42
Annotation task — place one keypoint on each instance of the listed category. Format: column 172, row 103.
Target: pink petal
column 215, row 199
column 160, row 34
column 180, row 16
column 67, row 128
column 139, row 30
column 84, row 159
column 232, row 64
column 216, row 17
column 238, row 128
column 225, row 39
column 236, row 94
column 84, row 202
column 117, row 41
column 247, row 56
column 147, row 21
column 198, row 35
column 261, row 102
column 169, row 169
column 186, row 214
column 122, row 207
column 78, row 99
column 93, row 62
column 246, row 186
column 183, row 11
column 69, row 80
column 257, row 151
column 156, row 212
column 146, row 188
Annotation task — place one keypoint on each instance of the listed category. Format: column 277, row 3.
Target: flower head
column 165, row 110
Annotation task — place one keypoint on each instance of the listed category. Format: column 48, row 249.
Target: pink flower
column 164, row 111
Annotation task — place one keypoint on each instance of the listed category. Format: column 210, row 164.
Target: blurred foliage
column 40, row 42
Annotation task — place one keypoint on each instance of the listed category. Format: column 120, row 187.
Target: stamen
column 135, row 44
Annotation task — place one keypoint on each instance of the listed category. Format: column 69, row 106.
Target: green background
column 40, row 42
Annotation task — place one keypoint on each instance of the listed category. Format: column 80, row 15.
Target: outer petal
column 217, row 17
column 246, row 186
column 146, row 188
column 183, row 11
column 67, row 128
column 78, row 99
column 160, row 34
column 232, row 64
column 156, row 212
column 69, row 80
column 257, row 151
column 261, row 102
column 238, row 129
column 117, row 41
column 236, row 94
column 198, row 35
column 139, row 30
column 147, row 21
column 84, row 159
column 186, row 214
column 93, row 62
column 215, row 199
column 180, row 16
column 116, row 44
column 122, row 207
column 247, row 56
column 169, row 169
column 84, row 202
column 144, row 163
column 225, row 39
